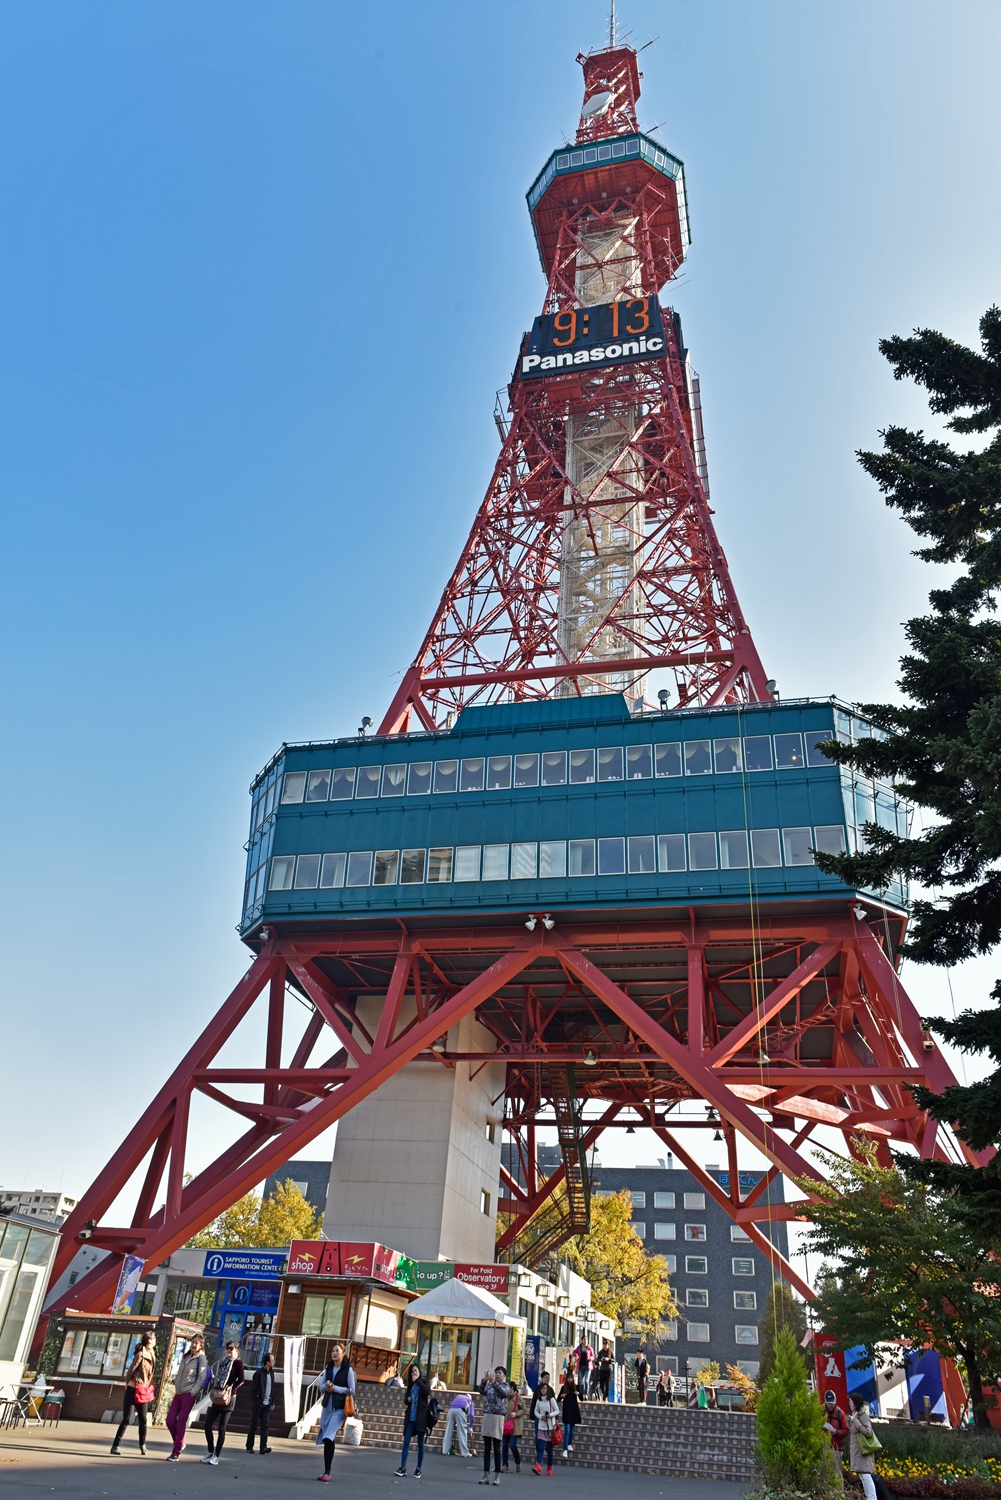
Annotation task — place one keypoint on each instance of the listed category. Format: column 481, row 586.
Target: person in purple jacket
column 461, row 1417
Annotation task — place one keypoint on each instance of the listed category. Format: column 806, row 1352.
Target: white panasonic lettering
column 655, row 343
column 563, row 359
column 548, row 363
column 581, row 357
column 613, row 350
column 529, row 362
column 597, row 354
column 631, row 348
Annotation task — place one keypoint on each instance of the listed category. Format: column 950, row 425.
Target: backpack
column 434, row 1412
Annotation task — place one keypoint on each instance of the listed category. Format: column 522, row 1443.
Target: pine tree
column 793, row 1447
column 943, row 745
column 782, row 1310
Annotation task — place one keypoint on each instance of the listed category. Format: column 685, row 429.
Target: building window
column 667, row 759
column 702, row 851
column 419, row 778
column 318, row 786
column 663, row 1200
column 446, row 775
column 665, row 1232
column 695, row 1232
column 743, row 1265
column 294, row 788
column 526, row 1310
column 439, row 866
column 671, row 853
column 765, row 850
column 695, row 1200
column 796, row 842
column 698, row 1333
column 495, row 858
column 746, row 1333
column 582, row 856
column 359, row 867
column 412, row 867
column 733, row 850
column 789, row 752
column 643, row 855
column 322, row 1317
column 758, row 752
column 552, row 859
column 640, row 1228
column 471, row 775
column 526, row 770
column 745, row 1301
column 281, row 872
column 736, row 1233
column 639, row 762
column 698, row 760
column 484, row 1201
column 670, row 1332
column 467, row 862
column 697, row 1296
column 638, row 1200
column 498, row 773
column 671, row 1262
column 554, row 768
column 696, row 1265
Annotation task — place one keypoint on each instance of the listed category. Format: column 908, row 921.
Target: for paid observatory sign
column 612, row 333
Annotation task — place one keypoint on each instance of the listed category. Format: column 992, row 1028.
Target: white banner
column 295, row 1352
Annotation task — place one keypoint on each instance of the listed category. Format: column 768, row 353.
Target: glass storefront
column 25, row 1254
column 447, row 1351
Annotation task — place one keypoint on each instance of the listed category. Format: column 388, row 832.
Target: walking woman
column 570, row 1408
column 338, row 1386
column 547, row 1416
column 514, row 1426
column 227, row 1378
column 864, row 1464
column 188, row 1382
column 139, row 1391
column 415, row 1419
column 495, row 1392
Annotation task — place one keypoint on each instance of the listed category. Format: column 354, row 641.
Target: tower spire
column 613, row 30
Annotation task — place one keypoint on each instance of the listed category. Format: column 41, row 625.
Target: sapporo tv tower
column 531, row 898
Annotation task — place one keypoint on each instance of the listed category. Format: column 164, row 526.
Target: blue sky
column 262, row 269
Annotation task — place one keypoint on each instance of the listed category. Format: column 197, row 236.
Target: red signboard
column 368, row 1261
column 490, row 1278
column 830, row 1364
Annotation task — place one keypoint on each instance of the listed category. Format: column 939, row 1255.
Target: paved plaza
column 73, row 1459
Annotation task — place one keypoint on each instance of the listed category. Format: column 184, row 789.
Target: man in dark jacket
column 262, row 1403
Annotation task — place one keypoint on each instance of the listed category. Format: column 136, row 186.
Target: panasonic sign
column 612, row 333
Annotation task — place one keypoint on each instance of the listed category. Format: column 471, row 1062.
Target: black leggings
column 217, row 1416
column 328, row 1454
column 496, row 1442
column 128, row 1403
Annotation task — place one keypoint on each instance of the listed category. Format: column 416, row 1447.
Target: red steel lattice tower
column 594, row 558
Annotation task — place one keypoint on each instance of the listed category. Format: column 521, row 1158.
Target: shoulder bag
column 144, row 1393
column 869, row 1444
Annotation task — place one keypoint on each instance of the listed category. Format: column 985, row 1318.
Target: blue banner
column 266, row 1263
column 535, row 1356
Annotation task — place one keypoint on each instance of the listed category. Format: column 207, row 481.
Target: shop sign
column 490, row 1278
column 432, row 1273
column 366, row 1260
column 242, row 1263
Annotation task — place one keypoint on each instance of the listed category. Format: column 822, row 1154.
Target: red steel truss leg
column 198, row 1203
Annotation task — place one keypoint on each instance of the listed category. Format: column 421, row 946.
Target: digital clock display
column 612, row 333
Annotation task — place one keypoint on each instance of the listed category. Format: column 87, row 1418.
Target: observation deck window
column 412, row 866
column 369, row 778
column 294, row 788
column 671, row 852
column 394, row 780
column 419, row 778
column 554, row 768
column 498, row 773
column 830, row 839
column 668, row 758
column 524, row 861
column 727, row 753
column 495, row 858
column 581, row 766
column 342, row 783
column 789, row 752
column 639, row 762
column 582, row 856
column 467, row 862
column 282, row 869
column 446, row 775
column 332, row 871
column 733, row 849
column 758, row 752
column 439, row 866
column 552, row 859
column 814, row 737
column 698, row 760
column 610, row 763
column 387, row 866
column 765, row 849
column 526, row 770
column 318, row 786
column 642, row 855
column 359, row 867
column 865, row 811
column 611, row 856
column 307, row 872
column 702, row 851
column 471, row 774
column 796, row 844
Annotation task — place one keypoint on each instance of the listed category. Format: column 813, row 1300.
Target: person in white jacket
column 547, row 1416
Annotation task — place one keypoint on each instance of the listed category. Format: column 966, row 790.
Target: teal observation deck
column 562, row 804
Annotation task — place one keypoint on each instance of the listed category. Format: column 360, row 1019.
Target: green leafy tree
column 943, row 745
column 915, row 1270
column 273, row 1222
column 782, row 1310
column 793, row 1447
column 627, row 1284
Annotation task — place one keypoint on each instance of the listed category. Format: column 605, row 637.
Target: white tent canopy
column 458, row 1302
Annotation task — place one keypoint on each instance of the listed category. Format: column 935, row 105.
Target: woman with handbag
column 139, row 1391
column 227, row 1378
column 514, row 1426
column 863, row 1445
column 570, row 1410
column 547, row 1416
column 338, row 1405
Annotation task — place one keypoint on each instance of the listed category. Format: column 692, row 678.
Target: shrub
column 793, row 1448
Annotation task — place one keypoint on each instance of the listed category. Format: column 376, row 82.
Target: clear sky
column 262, row 269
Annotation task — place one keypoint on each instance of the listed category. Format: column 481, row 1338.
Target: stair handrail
column 312, row 1408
